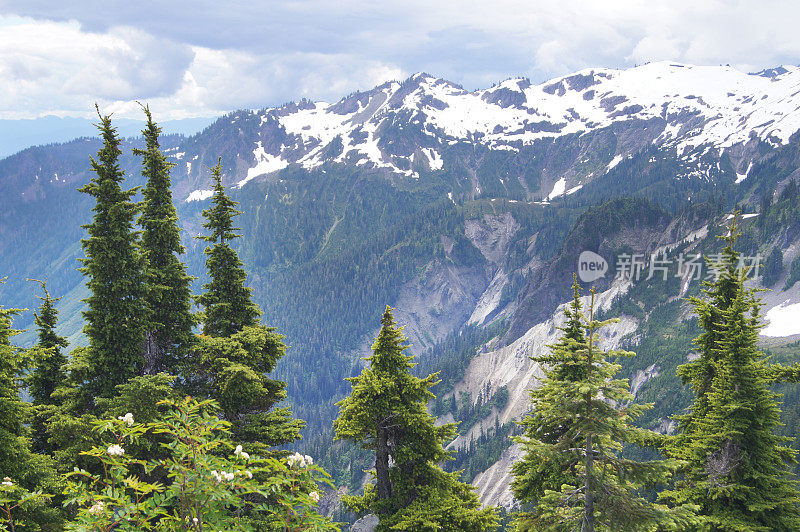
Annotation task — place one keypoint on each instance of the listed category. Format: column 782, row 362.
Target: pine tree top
column 159, row 217
column 46, row 319
column 222, row 211
column 108, row 173
column 227, row 301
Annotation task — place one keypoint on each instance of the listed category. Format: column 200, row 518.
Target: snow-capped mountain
column 466, row 211
column 686, row 107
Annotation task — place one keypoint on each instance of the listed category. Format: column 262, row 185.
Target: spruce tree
column 574, row 468
column 235, row 354
column 168, row 294
column 48, row 360
column 227, row 301
column 48, row 368
column 14, row 412
column 387, row 413
column 563, row 363
column 737, row 467
column 117, row 315
column 17, row 462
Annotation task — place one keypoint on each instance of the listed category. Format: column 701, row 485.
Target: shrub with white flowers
column 127, row 419
column 300, row 460
column 14, row 499
column 203, row 490
column 115, row 450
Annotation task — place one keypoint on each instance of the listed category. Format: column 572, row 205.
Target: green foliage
column 117, row 314
column 46, row 356
column 227, row 302
column 48, row 373
column 386, row 413
column 30, row 470
column 209, row 483
column 573, row 467
column 16, row 503
column 233, row 371
column 737, row 466
column 168, row 297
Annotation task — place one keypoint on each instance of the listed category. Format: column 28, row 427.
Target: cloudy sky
column 201, row 58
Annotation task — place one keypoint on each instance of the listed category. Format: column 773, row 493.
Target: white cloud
column 202, row 57
column 56, row 67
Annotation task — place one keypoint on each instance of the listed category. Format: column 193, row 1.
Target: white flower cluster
column 127, row 418
column 222, row 476
column 115, row 450
column 297, row 458
column 7, row 482
column 219, row 476
column 97, row 508
column 314, row 496
column 241, row 454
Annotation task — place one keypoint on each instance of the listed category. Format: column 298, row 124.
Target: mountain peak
column 694, row 106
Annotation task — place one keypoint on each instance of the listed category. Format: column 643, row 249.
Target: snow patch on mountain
column 615, row 161
column 742, row 177
column 265, row 164
column 782, row 320
column 435, row 161
column 558, row 189
column 199, row 195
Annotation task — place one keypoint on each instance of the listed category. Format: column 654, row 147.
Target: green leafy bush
column 211, row 483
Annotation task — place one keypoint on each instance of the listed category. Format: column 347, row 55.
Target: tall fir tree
column 563, row 363
column 168, row 295
column 227, row 301
column 235, row 354
column 573, row 469
column 14, row 412
column 387, row 412
column 117, row 315
column 48, row 359
column 737, row 467
column 48, row 371
column 22, row 467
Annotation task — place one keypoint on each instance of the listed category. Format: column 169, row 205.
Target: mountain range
column 468, row 212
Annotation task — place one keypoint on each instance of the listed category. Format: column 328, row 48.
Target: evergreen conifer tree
column 532, row 475
column 234, row 355
column 737, row 467
column 48, row 360
column 17, row 462
column 168, row 294
column 48, row 368
column 386, row 412
column 574, row 468
column 117, row 316
column 13, row 410
column 227, row 301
